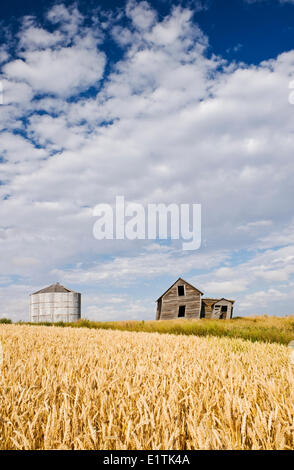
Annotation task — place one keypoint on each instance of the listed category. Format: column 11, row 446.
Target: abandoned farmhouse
column 184, row 300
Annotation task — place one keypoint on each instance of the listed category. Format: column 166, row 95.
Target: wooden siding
column 159, row 302
column 211, row 308
column 207, row 308
column 171, row 301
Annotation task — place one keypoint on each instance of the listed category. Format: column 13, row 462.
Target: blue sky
column 249, row 31
column 160, row 101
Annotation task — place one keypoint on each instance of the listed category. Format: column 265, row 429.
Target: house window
column 181, row 291
column 224, row 308
column 182, row 311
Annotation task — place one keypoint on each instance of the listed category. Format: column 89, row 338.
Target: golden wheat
column 64, row 388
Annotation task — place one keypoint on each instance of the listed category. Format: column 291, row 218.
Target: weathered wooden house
column 182, row 300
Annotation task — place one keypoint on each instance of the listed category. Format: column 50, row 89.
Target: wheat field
column 65, row 388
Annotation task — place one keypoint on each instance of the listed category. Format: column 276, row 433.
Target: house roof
column 183, row 280
column 211, row 302
column 54, row 288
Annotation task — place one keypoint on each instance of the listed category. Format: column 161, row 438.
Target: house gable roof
column 211, row 302
column 183, row 280
column 228, row 300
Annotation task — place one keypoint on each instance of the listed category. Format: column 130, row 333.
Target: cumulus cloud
column 48, row 71
column 62, row 62
column 141, row 14
column 166, row 121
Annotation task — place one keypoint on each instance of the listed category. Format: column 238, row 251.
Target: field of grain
column 67, row 388
column 255, row 328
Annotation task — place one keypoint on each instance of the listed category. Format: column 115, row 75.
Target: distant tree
column 5, row 320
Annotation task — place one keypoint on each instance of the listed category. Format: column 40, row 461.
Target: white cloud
column 47, row 71
column 255, row 225
column 15, row 92
column 146, row 264
column 264, row 299
column 68, row 19
column 33, row 37
column 106, row 307
column 142, row 15
column 4, row 55
column 230, row 287
column 24, row 261
column 62, row 62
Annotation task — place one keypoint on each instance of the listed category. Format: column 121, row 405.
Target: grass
column 71, row 388
column 263, row 328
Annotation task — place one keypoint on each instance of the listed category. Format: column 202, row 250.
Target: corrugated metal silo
column 55, row 303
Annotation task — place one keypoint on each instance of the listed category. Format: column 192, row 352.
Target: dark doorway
column 182, row 311
column 224, row 309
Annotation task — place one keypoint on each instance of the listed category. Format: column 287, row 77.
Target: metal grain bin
column 55, row 303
